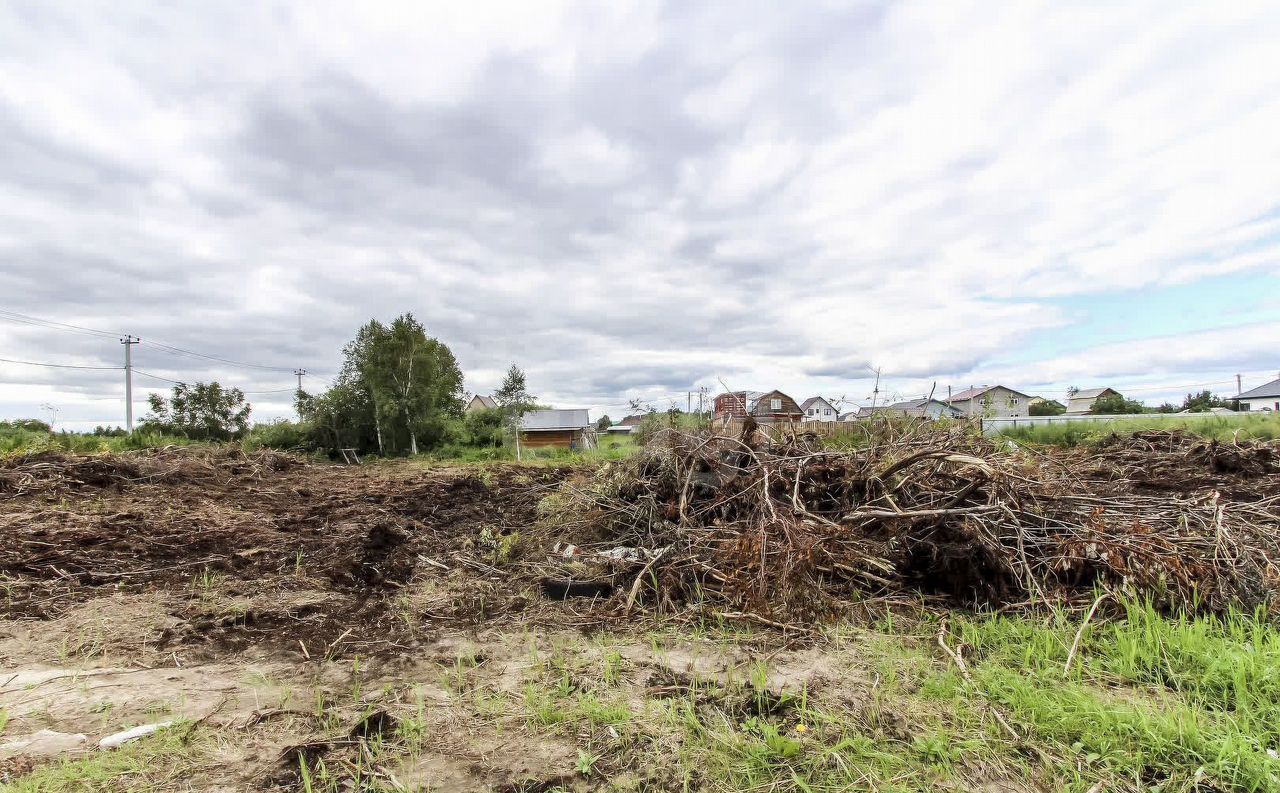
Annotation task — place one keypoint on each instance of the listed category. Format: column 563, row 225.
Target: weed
column 586, row 762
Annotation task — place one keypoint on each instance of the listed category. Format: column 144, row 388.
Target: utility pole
column 300, row 373
column 875, row 392
column 1239, row 390
column 128, row 341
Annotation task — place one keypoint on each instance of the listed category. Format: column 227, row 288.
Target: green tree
column 483, row 428
column 513, row 394
column 1205, row 400
column 513, row 398
column 414, row 380
column 398, row 390
column 1049, row 407
column 603, row 423
column 201, row 412
column 1113, row 404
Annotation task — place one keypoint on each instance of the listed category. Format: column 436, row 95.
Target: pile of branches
column 58, row 472
column 1176, row 460
column 790, row 530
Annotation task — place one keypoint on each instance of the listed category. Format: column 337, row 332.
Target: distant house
column 818, row 409
column 563, row 429
column 1264, row 397
column 628, row 425
column 1081, row 402
column 927, row 408
column 916, row 408
column 990, row 401
column 766, row 407
column 481, row 402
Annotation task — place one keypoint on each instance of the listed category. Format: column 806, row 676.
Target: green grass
column 1222, row 428
column 1154, row 700
column 148, row 764
column 1151, row 702
column 608, row 448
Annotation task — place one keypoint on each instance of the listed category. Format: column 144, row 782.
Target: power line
column 182, row 382
column 158, row 377
column 60, row 365
column 26, row 319
column 180, row 351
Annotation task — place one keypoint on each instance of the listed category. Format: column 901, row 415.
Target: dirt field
column 314, row 627
column 288, row 616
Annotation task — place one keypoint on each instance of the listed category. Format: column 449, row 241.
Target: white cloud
column 633, row 196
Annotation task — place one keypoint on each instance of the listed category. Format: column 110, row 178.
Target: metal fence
column 998, row 424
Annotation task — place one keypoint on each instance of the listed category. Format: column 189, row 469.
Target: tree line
column 398, row 391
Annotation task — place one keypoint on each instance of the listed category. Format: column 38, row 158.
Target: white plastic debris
column 116, row 739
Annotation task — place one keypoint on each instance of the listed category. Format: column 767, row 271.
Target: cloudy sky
column 638, row 199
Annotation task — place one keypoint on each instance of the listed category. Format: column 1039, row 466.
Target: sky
column 640, row 199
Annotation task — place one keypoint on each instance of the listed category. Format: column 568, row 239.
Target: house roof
column 811, row 401
column 543, row 420
column 971, row 393
column 1269, row 390
column 754, row 398
column 486, row 401
column 635, row 419
column 919, row 406
column 1091, row 393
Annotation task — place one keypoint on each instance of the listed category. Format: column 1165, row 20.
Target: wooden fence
column 823, row 429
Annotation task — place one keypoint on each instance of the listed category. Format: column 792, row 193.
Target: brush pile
column 787, row 530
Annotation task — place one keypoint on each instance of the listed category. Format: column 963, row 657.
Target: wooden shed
column 560, row 429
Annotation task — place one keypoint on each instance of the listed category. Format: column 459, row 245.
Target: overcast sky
column 638, row 199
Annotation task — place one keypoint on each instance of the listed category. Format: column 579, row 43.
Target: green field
column 1221, row 428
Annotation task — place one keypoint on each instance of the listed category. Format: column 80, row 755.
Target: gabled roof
column 971, row 393
column 1091, row 393
column 1269, row 390
column 811, row 401
column 485, row 401
column 920, row 405
column 541, row 420
column 635, row 419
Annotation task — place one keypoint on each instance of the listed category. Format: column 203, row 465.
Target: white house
column 1264, row 397
column 819, row 409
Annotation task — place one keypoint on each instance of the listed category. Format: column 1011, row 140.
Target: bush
column 281, row 434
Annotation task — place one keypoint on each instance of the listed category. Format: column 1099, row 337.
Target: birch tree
column 397, row 388
column 414, row 379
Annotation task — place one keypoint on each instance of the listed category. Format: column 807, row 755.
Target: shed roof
column 486, row 401
column 542, row 420
column 971, row 393
column 1268, row 390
